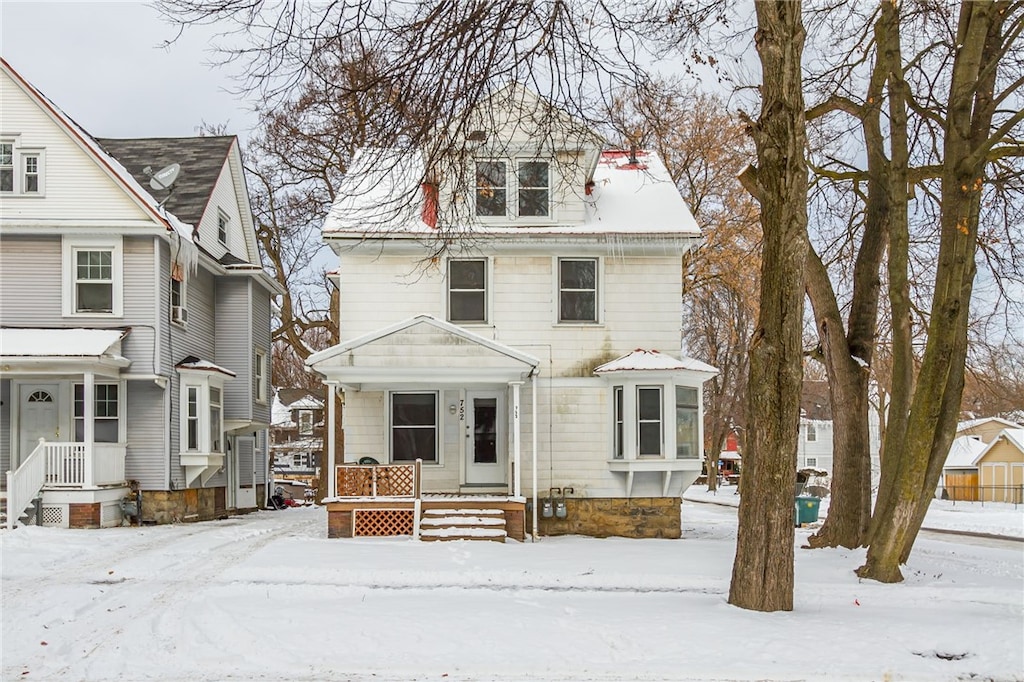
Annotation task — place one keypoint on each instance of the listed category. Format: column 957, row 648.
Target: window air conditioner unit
column 179, row 314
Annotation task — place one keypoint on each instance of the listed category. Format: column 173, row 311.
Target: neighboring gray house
column 149, row 302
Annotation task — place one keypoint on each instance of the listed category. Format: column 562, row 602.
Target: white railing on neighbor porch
column 63, row 465
column 25, row 483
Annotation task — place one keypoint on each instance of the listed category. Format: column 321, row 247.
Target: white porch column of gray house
column 89, row 435
column 331, row 477
column 517, row 474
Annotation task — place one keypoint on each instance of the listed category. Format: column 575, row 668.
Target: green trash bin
column 806, row 509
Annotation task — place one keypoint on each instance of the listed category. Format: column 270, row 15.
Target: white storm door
column 38, row 417
column 486, row 451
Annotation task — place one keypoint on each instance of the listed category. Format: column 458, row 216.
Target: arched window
column 40, row 397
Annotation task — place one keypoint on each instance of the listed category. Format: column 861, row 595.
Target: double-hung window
column 306, row 423
column 577, row 290
column 222, row 227
column 6, row 166
column 106, row 420
column 687, row 428
column 467, row 290
column 92, row 276
column 260, row 376
column 529, row 184
column 21, row 169
column 618, row 447
column 812, row 432
column 414, row 427
column 649, row 429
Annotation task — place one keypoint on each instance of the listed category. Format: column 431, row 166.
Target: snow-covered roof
column 729, row 455
column 964, row 453
column 307, row 403
column 68, row 343
column 1015, row 436
column 280, row 415
column 652, row 360
column 203, row 365
column 382, row 194
column 973, row 423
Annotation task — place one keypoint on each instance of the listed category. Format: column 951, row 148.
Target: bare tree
column 762, row 574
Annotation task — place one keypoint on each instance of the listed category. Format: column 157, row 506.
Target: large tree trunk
column 931, row 424
column 848, row 356
column 762, row 573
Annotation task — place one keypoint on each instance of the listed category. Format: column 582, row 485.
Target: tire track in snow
column 151, row 608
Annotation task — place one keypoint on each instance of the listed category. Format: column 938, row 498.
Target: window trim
column 485, row 289
column 811, row 433
column 512, row 189
column 70, row 247
column 201, row 382
column 618, row 422
column 223, row 223
column 660, row 388
column 259, row 375
column 630, row 384
column 182, row 296
column 437, row 426
column 598, row 291
column 18, row 168
column 118, row 418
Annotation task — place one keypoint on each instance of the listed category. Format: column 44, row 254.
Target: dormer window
column 21, row 169
column 530, row 184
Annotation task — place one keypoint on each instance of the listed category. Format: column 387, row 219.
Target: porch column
column 517, row 476
column 332, row 482
column 533, row 448
column 89, row 435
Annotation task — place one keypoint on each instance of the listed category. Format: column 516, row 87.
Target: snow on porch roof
column 70, row 343
column 192, row 362
column 652, row 360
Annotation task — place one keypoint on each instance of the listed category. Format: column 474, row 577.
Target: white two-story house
column 135, row 315
column 516, row 327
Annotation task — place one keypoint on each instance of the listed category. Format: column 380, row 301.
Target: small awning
column 62, row 351
column 420, row 351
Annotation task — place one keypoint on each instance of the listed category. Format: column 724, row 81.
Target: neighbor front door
column 38, row 417
column 486, row 454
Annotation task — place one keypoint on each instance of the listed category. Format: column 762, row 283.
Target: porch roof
column 641, row 360
column 71, row 350
column 419, row 351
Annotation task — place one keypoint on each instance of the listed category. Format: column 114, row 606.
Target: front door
column 486, row 453
column 38, row 417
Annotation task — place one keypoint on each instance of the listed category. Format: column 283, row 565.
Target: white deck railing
column 62, row 465
column 25, row 483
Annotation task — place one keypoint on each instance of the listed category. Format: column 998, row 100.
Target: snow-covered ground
column 994, row 518
column 267, row 597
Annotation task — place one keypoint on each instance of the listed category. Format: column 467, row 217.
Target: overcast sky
column 103, row 64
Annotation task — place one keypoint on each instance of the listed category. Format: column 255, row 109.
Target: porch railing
column 378, row 480
column 25, row 483
column 62, row 465
column 68, row 465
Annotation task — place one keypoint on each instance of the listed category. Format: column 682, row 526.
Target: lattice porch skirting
column 382, row 522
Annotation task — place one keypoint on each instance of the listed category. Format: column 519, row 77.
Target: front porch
column 387, row 500
column 79, row 485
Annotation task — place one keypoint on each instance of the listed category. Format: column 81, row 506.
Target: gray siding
column 261, row 339
column 146, row 460
column 234, row 344
column 31, row 291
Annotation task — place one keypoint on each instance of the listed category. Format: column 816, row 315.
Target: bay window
column 648, row 421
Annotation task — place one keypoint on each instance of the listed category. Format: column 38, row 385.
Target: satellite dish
column 163, row 178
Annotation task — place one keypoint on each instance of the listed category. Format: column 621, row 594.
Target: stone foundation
column 176, row 506
column 638, row 517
